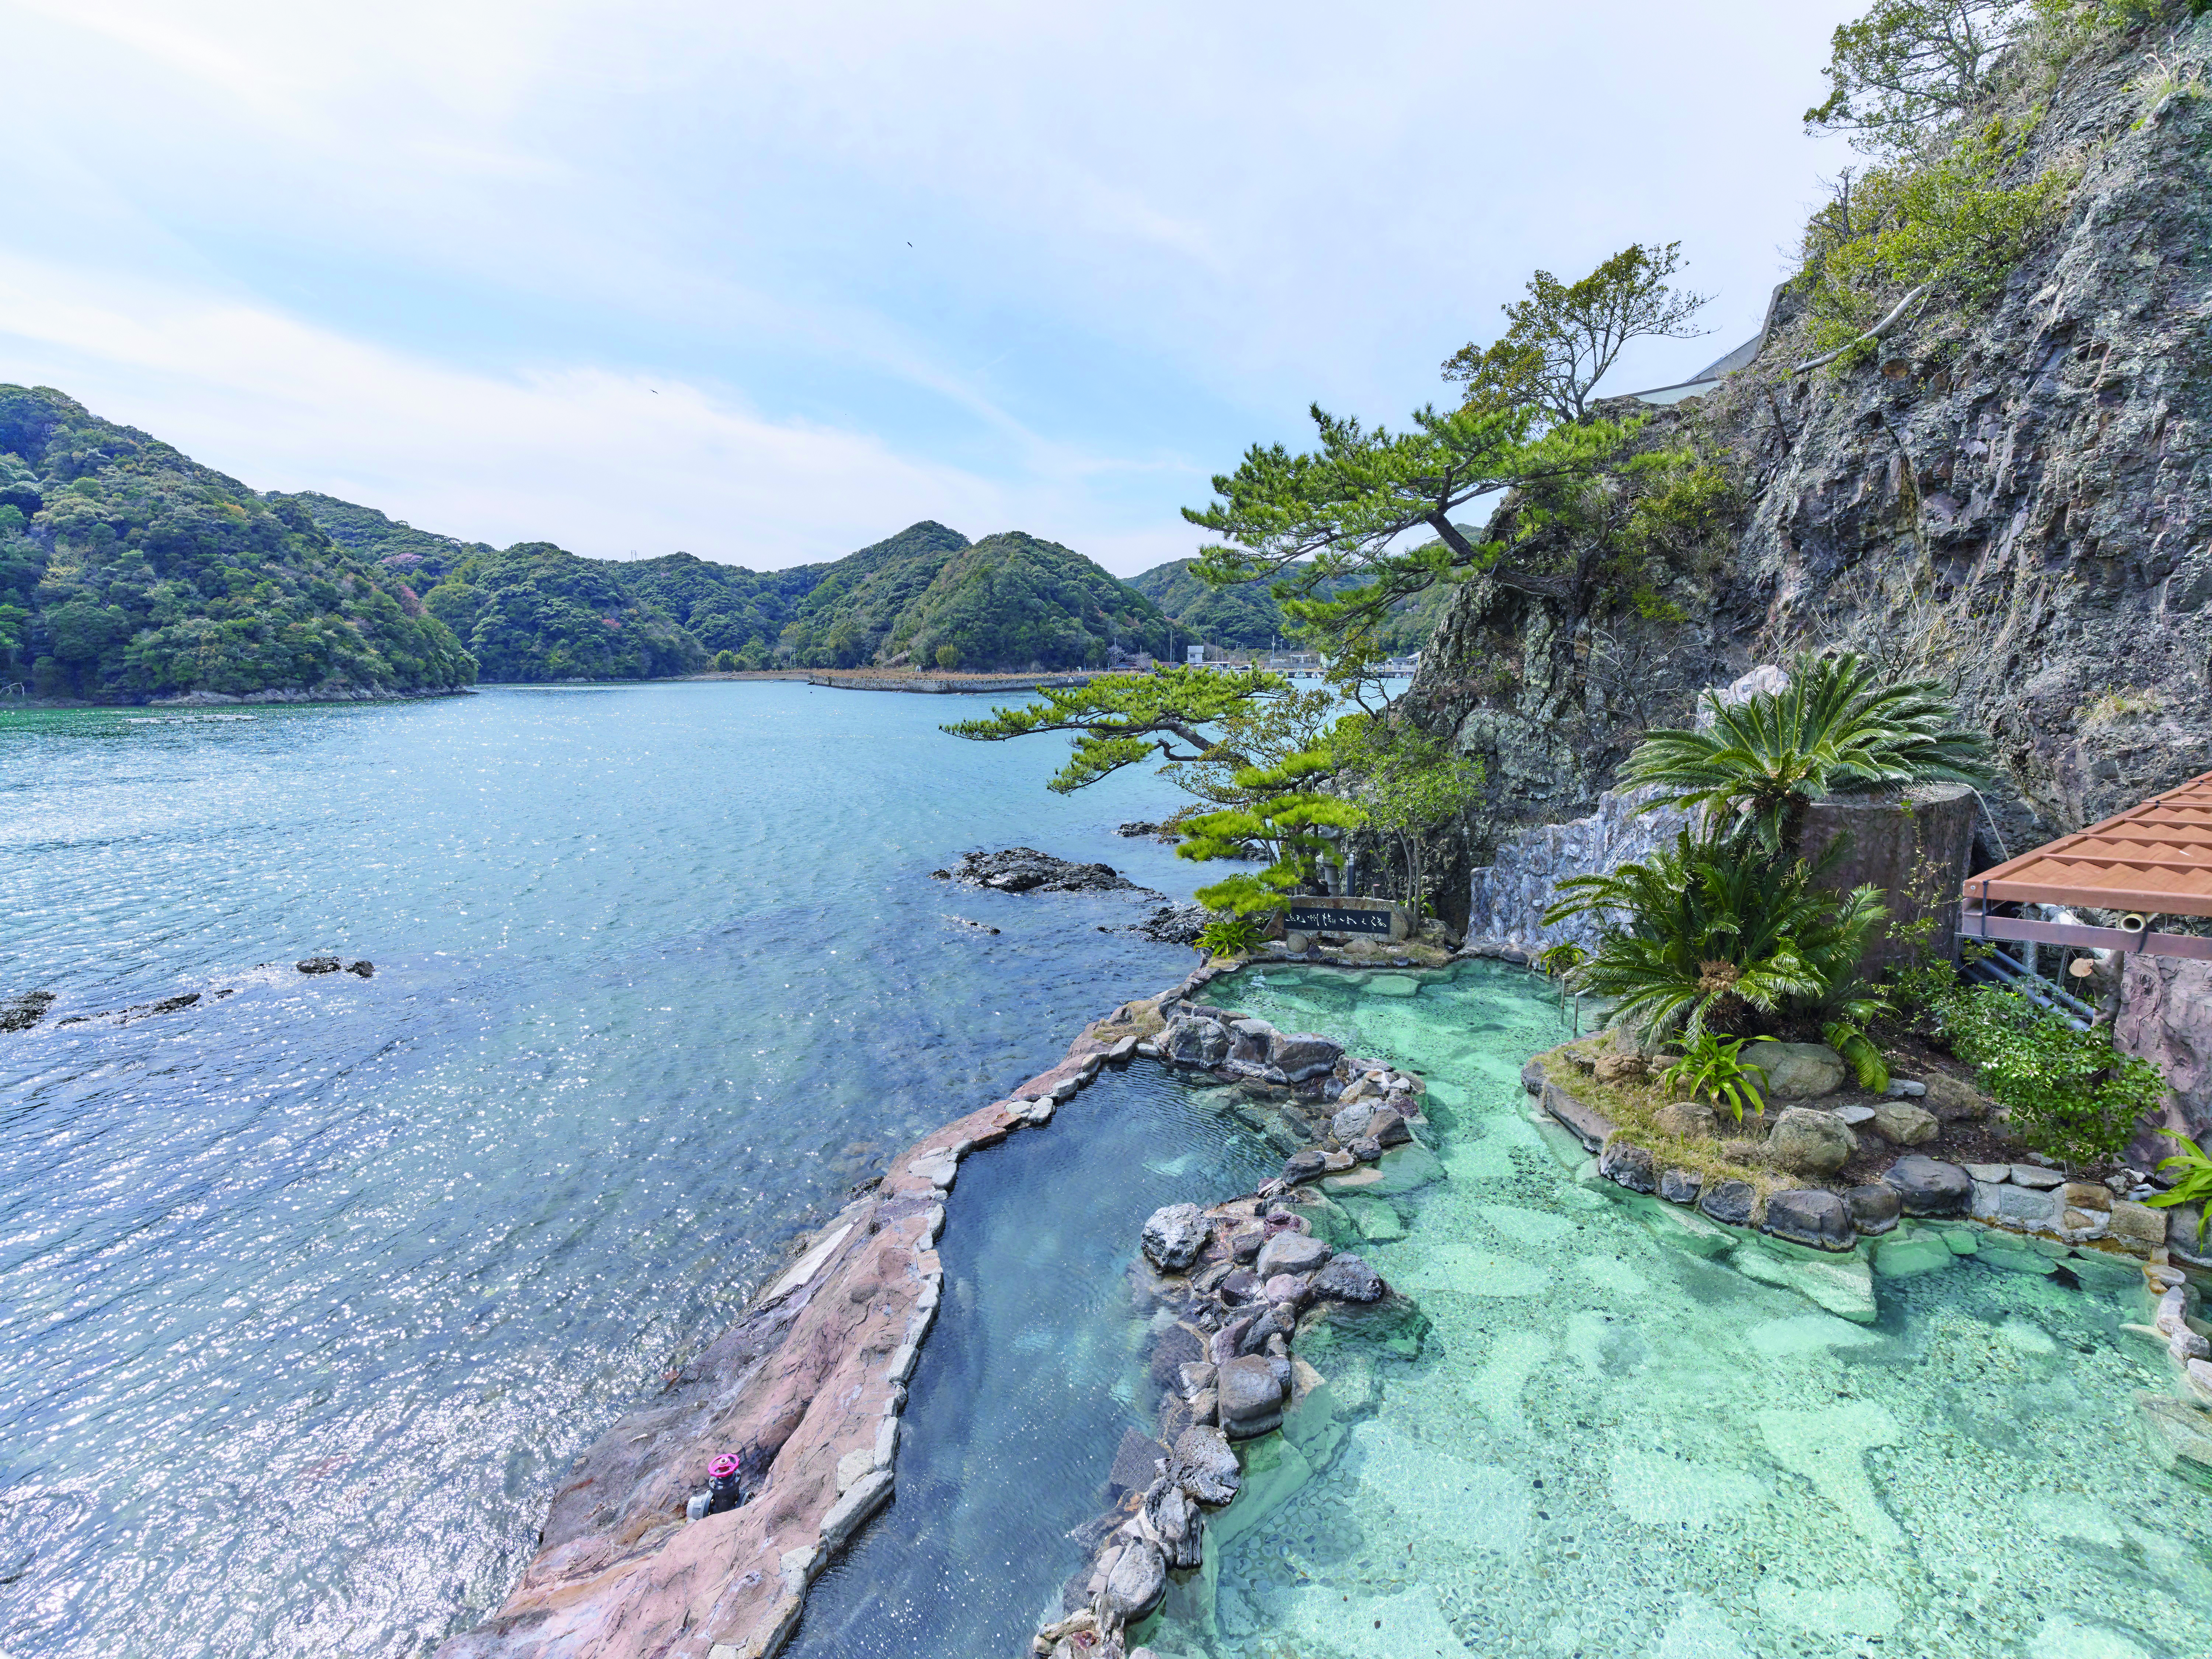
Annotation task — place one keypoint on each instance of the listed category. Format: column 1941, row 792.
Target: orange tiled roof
column 2156, row 858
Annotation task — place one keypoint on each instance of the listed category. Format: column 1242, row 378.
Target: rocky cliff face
column 2015, row 500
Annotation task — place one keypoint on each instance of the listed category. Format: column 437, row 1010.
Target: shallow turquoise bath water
column 1617, row 1441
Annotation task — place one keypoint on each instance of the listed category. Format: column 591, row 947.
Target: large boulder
column 1927, row 1186
column 1690, row 1120
column 1290, row 1253
column 1249, row 1397
column 1204, row 1465
column 1136, row 1581
column 1950, row 1100
column 1798, row 1071
column 1191, row 1040
column 1874, row 1207
column 1348, row 1279
column 1905, row 1124
column 1806, row 1142
column 1351, row 1121
column 1301, row 1055
column 1811, row 1216
column 1174, row 1235
column 1728, row 1201
column 1680, row 1186
column 1629, row 1165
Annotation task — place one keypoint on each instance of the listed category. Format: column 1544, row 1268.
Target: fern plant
column 1714, row 1068
column 1231, row 936
column 2194, row 1185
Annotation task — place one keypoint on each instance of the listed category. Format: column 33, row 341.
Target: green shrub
column 2194, row 1185
column 948, row 656
column 1231, row 936
column 1714, row 1069
column 726, row 662
column 2068, row 1094
column 1947, row 224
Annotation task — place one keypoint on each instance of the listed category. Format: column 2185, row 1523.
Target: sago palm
column 1837, row 728
column 1705, row 935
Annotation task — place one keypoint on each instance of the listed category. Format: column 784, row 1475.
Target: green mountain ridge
column 536, row 612
column 1245, row 617
column 128, row 572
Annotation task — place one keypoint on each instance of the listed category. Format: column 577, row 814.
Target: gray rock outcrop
column 1174, row 1235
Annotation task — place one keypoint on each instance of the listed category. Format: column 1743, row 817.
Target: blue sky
column 767, row 284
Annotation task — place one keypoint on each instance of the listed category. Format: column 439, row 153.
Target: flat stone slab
column 1392, row 985
column 1842, row 1285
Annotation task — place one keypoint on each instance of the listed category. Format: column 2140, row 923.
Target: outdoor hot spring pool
column 1620, row 1434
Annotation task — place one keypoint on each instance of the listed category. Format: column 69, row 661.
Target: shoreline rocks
column 1025, row 869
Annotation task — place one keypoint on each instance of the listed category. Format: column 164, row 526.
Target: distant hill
column 128, row 571
column 536, row 613
column 1013, row 601
column 1245, row 617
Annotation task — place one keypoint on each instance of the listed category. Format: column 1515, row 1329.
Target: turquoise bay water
column 307, row 1294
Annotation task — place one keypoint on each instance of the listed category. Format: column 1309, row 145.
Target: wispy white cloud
column 442, row 250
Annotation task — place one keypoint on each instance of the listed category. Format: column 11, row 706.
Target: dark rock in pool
column 1204, row 1465
column 1136, row 1463
column 1174, row 1235
column 1365, row 1150
column 1177, row 1346
column 318, row 965
column 1874, row 1207
column 1290, row 1252
column 366, row 969
column 20, row 1013
column 1244, row 1244
column 1241, row 1286
column 1927, row 1186
column 1680, row 1186
column 1728, row 1201
column 1348, row 1279
column 1629, row 1165
column 1809, row 1215
column 1025, row 869
column 1136, row 1581
column 1388, row 1128
column 1305, row 1166
column 1302, row 1055
column 1251, row 1399
column 1173, row 1516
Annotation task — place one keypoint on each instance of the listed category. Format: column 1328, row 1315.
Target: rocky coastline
column 809, row 1385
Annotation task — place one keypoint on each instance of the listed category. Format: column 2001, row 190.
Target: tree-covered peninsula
column 129, row 572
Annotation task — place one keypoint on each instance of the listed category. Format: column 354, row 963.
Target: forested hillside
column 536, row 612
column 1245, row 617
column 1012, row 601
column 129, row 572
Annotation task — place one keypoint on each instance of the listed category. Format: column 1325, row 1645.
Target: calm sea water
column 307, row 1294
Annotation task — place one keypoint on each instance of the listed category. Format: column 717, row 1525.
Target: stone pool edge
column 810, row 1385
column 2183, row 1430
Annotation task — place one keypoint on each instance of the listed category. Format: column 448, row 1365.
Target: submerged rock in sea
column 20, row 1013
column 318, row 964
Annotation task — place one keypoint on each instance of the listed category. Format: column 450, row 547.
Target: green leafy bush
column 1716, row 935
column 1948, row 225
column 2194, row 1185
column 1714, row 1068
column 2068, row 1094
column 1231, row 936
